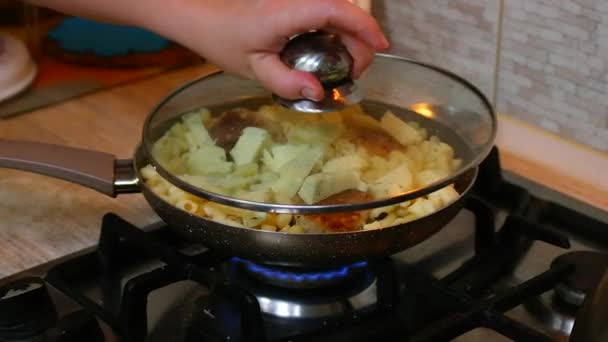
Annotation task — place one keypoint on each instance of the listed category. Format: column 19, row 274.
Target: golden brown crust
column 374, row 141
column 341, row 222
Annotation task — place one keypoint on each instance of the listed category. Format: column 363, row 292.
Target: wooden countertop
column 44, row 218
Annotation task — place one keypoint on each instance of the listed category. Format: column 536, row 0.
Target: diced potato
column 350, row 162
column 168, row 148
column 292, row 174
column 195, row 132
column 198, row 117
column 401, row 212
column 438, row 155
column 355, row 115
column 398, row 180
column 443, row 196
column 422, row 207
column 400, row 130
column 426, row 177
column 362, row 186
column 197, row 137
column 279, row 155
column 382, row 190
column 400, row 176
column 246, row 170
column 320, row 186
column 178, row 130
column 345, row 147
column 318, row 133
column 435, row 198
column 208, row 160
column 249, row 146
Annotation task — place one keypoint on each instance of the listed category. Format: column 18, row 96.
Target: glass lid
column 418, row 128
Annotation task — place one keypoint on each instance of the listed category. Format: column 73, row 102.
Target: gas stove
column 516, row 264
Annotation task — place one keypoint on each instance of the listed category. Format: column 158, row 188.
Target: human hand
column 245, row 37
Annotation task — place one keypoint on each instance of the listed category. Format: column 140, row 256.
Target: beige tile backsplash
column 553, row 65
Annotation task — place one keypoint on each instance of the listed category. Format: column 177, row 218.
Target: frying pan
column 104, row 173
column 449, row 107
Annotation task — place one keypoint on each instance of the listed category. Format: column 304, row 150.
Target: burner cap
column 589, row 268
column 304, row 293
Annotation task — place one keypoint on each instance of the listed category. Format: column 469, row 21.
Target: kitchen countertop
column 44, row 218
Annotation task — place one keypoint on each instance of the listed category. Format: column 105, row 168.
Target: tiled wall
column 457, row 34
column 553, row 70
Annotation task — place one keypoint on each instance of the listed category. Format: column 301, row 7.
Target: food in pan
column 274, row 155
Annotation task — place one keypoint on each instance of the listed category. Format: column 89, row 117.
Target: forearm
column 124, row 12
column 244, row 37
column 177, row 20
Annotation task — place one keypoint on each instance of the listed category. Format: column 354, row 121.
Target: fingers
column 303, row 15
column 283, row 81
column 358, row 30
column 362, row 54
column 350, row 18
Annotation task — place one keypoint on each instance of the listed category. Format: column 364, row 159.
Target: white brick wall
column 562, row 46
column 554, row 57
column 456, row 34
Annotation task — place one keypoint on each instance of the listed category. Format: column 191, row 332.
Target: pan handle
column 96, row 170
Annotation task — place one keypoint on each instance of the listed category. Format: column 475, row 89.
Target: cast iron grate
column 412, row 306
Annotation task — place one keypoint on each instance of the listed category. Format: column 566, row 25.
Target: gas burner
column 589, row 268
column 318, row 307
column 299, row 278
column 288, row 292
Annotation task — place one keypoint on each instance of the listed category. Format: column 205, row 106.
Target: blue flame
column 268, row 272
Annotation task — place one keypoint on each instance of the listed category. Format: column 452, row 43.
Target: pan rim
column 473, row 178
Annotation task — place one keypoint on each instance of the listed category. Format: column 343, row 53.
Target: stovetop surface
column 495, row 257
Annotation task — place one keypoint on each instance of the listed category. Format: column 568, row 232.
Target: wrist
column 182, row 21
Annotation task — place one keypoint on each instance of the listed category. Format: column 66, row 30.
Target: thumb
column 284, row 81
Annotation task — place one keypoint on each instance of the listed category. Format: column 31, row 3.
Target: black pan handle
column 96, row 170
